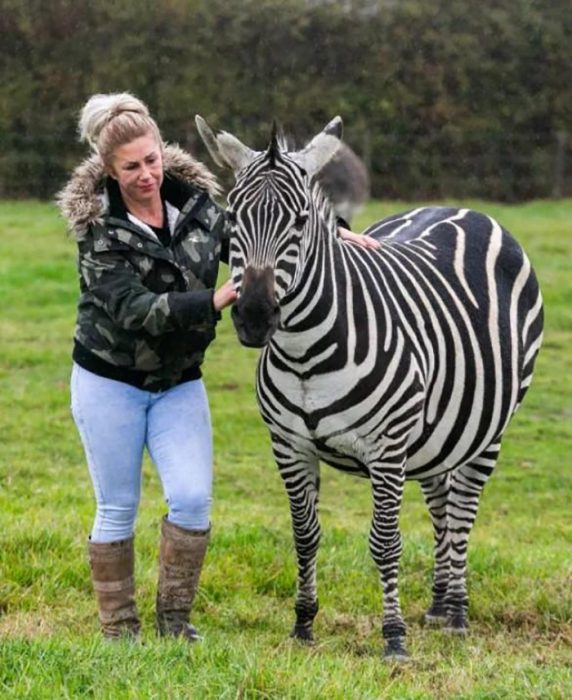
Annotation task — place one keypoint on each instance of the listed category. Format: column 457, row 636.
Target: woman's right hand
column 224, row 296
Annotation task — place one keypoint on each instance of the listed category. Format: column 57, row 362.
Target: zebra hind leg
column 466, row 485
column 436, row 493
column 302, row 481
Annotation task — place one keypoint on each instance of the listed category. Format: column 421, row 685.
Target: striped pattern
column 402, row 363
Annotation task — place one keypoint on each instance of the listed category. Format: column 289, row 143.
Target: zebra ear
column 321, row 148
column 225, row 149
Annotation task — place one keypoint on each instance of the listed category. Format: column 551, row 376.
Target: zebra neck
column 312, row 311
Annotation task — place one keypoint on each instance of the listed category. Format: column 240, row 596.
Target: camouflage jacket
column 145, row 313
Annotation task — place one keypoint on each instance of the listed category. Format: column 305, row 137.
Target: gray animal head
column 345, row 180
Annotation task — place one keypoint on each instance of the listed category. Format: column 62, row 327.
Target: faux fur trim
column 81, row 201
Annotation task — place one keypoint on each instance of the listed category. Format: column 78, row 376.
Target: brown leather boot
column 181, row 557
column 112, row 576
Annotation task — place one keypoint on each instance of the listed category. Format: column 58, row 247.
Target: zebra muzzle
column 256, row 314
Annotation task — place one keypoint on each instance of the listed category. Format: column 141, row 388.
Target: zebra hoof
column 456, row 625
column 436, row 616
column 435, row 620
column 395, row 651
column 303, row 635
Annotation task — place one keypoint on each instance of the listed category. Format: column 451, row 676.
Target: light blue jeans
column 116, row 422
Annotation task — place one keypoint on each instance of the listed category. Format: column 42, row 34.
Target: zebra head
column 270, row 209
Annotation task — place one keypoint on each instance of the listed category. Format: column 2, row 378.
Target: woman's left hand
column 224, row 296
column 358, row 239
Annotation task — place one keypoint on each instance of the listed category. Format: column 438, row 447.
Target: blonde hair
column 109, row 121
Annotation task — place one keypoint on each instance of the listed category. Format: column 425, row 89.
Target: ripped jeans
column 116, row 421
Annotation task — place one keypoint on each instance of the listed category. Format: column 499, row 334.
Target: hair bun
column 100, row 109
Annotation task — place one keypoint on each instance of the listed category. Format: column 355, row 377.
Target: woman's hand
column 224, row 296
column 358, row 238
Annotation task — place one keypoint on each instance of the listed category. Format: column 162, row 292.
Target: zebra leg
column 466, row 485
column 301, row 477
column 385, row 546
column 436, row 493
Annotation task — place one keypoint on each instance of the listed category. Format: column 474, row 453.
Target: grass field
column 520, row 556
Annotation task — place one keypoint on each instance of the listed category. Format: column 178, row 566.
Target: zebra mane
column 274, row 151
column 279, row 145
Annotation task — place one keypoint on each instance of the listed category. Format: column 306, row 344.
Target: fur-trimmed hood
column 82, row 201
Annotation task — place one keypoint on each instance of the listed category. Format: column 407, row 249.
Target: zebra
column 405, row 362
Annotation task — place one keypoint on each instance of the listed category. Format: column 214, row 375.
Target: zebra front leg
column 302, row 481
column 436, row 493
column 466, row 485
column 303, row 493
column 385, row 545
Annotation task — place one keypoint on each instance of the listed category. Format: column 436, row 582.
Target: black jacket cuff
column 194, row 309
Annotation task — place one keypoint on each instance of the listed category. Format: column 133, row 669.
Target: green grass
column 520, row 555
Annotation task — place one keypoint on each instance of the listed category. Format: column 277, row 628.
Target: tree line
column 441, row 98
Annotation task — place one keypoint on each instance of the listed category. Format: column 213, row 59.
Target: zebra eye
column 300, row 220
column 231, row 216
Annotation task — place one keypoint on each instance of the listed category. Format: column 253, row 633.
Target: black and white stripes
column 405, row 362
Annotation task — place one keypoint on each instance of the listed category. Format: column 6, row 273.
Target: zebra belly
column 350, row 464
column 355, row 451
column 434, row 457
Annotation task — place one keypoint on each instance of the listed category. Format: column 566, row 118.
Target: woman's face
column 138, row 168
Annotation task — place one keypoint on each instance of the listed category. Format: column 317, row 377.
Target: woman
column 150, row 237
